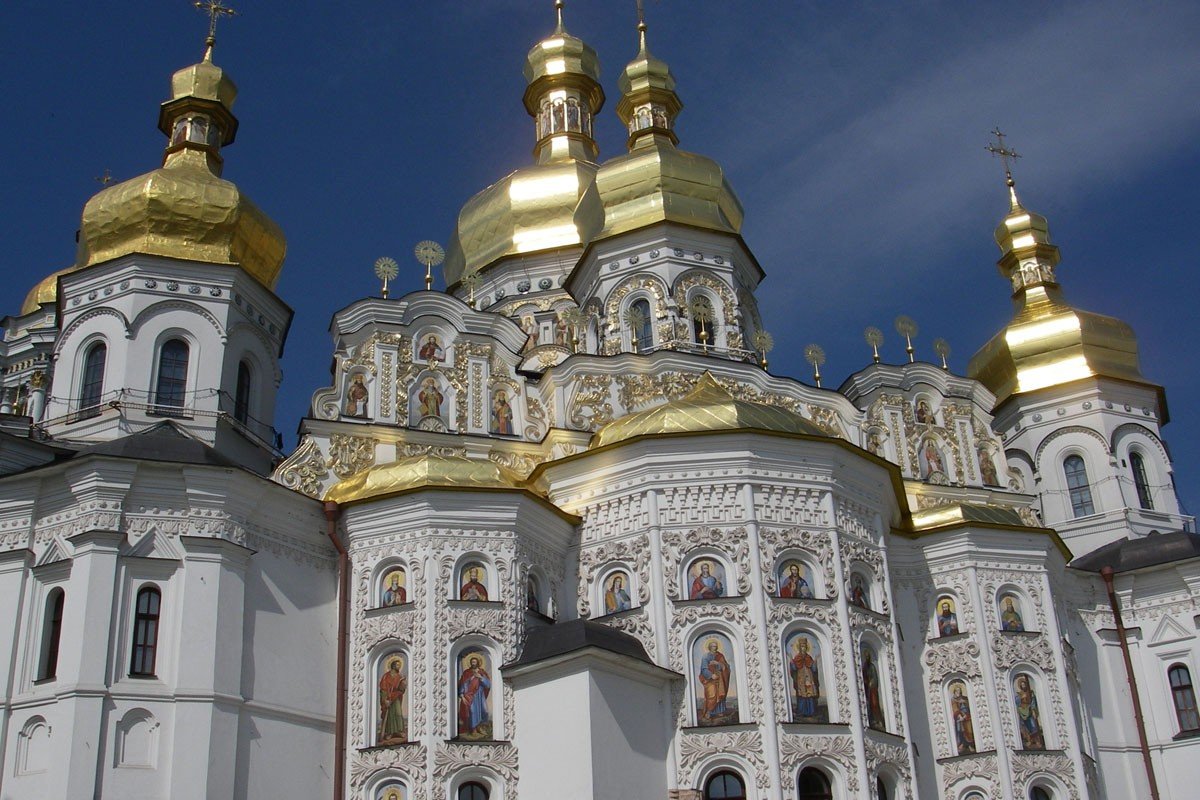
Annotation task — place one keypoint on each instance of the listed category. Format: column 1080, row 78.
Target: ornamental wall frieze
column 452, row 757
column 387, row 384
column 615, row 516
column 535, row 418
column 350, row 454
column 856, row 519
column 412, row 449
column 790, row 505
column 591, row 403
column 733, row 543
column 774, row 541
column 862, row 620
column 952, row 657
column 696, row 504
column 795, row 750
column 410, row 760
column 826, row 419
column 1009, row 650
column 304, row 470
column 635, row 553
column 887, row 754
column 1027, row 765
column 696, row 748
column 979, row 768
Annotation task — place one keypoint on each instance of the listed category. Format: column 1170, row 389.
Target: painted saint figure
column 393, row 727
column 924, row 414
column 858, row 593
column 356, row 397
column 502, row 415
column 932, row 458
column 529, row 325
column 947, row 620
column 431, row 349
column 960, row 715
column 987, row 468
column 1010, row 618
column 616, row 596
column 794, row 583
column 806, row 681
column 871, row 689
column 1029, row 719
column 392, row 791
column 430, row 399
column 714, row 676
column 394, row 592
column 472, row 588
column 705, row 584
column 474, row 688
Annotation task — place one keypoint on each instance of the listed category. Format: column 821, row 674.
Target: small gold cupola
column 655, row 181
column 185, row 209
column 1048, row 342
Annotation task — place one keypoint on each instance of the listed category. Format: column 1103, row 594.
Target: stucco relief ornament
column 454, row 756
column 796, row 749
column 945, row 658
column 1027, row 764
column 304, row 470
column 695, row 748
column 350, row 454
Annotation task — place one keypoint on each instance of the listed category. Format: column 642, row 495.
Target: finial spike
column 998, row 149
column 558, row 10
column 641, row 11
column 214, row 9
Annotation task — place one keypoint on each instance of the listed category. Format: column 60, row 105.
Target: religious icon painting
column 795, row 580
column 392, row 790
column 947, row 616
column 715, row 684
column 806, row 689
column 474, row 695
column 430, row 399
column 393, row 588
column 860, row 595
column 616, row 592
column 706, row 579
column 931, row 461
column 431, row 349
column 392, row 683
column 1010, row 613
column 472, row 583
column 357, row 397
column 1029, row 717
column 961, row 721
column 502, row 413
column 872, row 687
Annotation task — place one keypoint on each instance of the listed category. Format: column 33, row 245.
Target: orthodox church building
column 556, row 531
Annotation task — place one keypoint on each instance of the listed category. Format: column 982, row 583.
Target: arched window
column 702, row 314
column 91, row 389
column 51, row 632
column 881, row 790
column 145, row 632
column 1138, row 466
column 473, row 791
column 725, row 785
column 1038, row 793
column 170, row 390
column 643, row 324
column 1184, row 698
column 241, row 395
column 1077, row 486
column 814, row 785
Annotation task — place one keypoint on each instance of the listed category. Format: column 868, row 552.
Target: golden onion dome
column 185, row 209
column 552, row 203
column 708, row 407
column 44, row 291
column 655, row 181
column 420, row 472
column 1048, row 342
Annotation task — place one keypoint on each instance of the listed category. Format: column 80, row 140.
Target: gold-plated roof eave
column 657, row 182
column 963, row 515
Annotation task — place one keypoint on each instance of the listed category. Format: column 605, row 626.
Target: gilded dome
column 419, row 472
column 1048, row 342
column 552, row 203
column 708, row 407
column 44, row 291
column 655, row 181
column 185, row 209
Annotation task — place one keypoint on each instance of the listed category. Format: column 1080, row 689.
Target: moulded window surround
column 144, row 655
column 1137, row 466
column 472, row 790
column 643, row 329
column 813, row 784
column 1183, row 697
column 241, row 395
column 725, row 785
column 1078, row 488
column 91, row 387
column 170, row 385
column 51, row 634
column 1040, row 793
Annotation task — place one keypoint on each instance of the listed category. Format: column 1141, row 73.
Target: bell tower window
column 91, row 388
column 1078, row 487
column 1138, row 466
column 241, row 396
column 51, row 633
column 170, row 389
column 145, row 632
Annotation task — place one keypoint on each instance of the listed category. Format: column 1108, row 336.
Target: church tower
column 1081, row 424
column 169, row 310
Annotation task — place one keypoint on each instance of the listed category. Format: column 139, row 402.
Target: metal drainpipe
column 332, row 511
column 1106, row 572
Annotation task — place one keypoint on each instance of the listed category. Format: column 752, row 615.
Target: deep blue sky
column 853, row 134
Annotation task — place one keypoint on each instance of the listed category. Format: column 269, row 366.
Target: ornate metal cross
column 997, row 148
column 214, row 9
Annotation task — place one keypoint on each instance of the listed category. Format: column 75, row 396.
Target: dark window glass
column 881, row 792
column 241, row 397
column 92, row 387
column 1139, row 480
column 645, row 327
column 725, row 786
column 1077, row 487
column 171, row 388
column 145, row 632
column 814, row 785
column 1038, row 793
column 702, row 320
column 472, row 791
column 1184, row 697
column 51, row 632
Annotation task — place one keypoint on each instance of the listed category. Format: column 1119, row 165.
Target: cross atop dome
column 215, row 10
column 1006, row 154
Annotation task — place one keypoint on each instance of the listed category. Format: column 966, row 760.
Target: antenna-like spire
column 997, row 148
column 641, row 9
column 558, row 9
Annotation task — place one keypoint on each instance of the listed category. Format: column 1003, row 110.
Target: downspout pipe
column 1106, row 573
column 332, row 512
